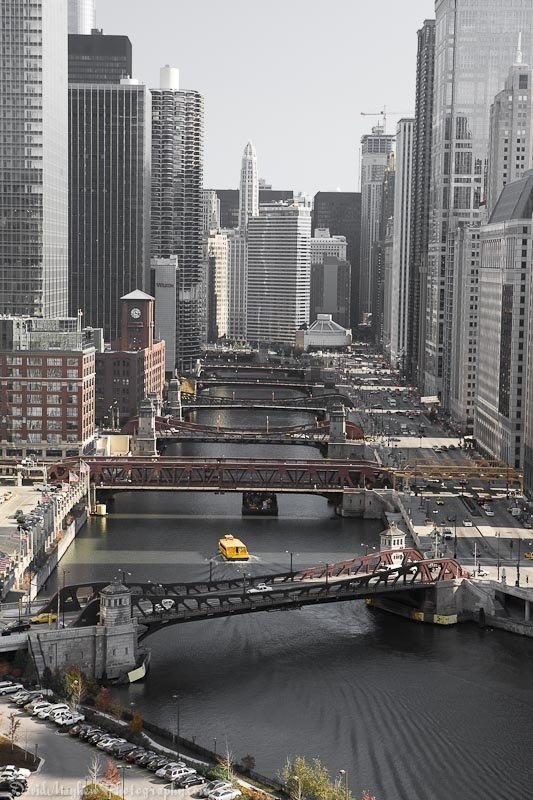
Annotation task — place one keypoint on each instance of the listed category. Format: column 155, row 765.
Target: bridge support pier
column 174, row 399
column 144, row 441
column 367, row 503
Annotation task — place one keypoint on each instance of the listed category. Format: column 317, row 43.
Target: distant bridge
column 161, row 605
column 217, row 367
column 316, row 403
column 305, row 388
column 324, row 477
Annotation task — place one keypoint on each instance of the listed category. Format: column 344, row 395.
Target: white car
column 15, row 687
column 261, row 587
column 489, row 512
column 36, row 708
column 110, row 741
column 51, row 709
column 467, row 523
column 162, row 771
column 11, row 771
column 224, row 794
column 174, row 773
column 68, row 719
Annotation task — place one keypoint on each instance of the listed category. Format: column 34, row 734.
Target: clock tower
column 137, row 321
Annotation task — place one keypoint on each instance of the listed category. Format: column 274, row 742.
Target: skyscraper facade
column 279, row 271
column 425, row 75
column 475, row 44
column 229, row 202
column 382, row 249
column 34, row 162
column 96, row 58
column 177, row 207
column 375, row 149
column 340, row 212
column 511, row 131
column 401, row 247
column 81, row 16
column 249, row 186
column 109, row 185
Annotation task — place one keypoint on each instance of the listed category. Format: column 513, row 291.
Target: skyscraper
column 425, row 76
column 382, row 250
column 401, row 253
column 375, row 149
column 96, row 58
column 475, row 43
column 109, row 180
column 177, row 183
column 511, row 131
column 249, row 186
column 278, row 273
column 81, row 16
column 34, row 162
column 340, row 212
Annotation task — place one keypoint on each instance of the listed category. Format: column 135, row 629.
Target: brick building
column 134, row 365
column 47, row 386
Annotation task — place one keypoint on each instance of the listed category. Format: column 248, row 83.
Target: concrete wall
column 367, row 503
column 97, row 650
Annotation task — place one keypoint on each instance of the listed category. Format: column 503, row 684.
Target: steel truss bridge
column 329, row 477
column 176, row 430
column 305, row 388
column 156, row 606
column 317, row 403
column 217, row 367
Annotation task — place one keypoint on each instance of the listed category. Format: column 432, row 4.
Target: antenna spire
column 519, row 56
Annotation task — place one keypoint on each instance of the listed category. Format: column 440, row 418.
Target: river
column 410, row 711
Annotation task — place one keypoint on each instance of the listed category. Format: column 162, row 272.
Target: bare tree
column 95, row 769
column 14, row 724
column 227, row 764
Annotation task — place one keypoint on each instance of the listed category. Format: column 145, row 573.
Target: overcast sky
column 290, row 75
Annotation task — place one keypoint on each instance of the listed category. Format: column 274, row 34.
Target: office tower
column 47, row 380
column 217, row 245
column 502, row 357
column 210, row 211
column 340, row 212
column 475, row 43
column 237, row 284
column 34, row 166
column 98, row 59
column 382, row 248
column 81, row 16
column 164, row 289
column 330, row 277
column 425, row 77
column 229, row 202
column 511, row 132
column 134, row 366
column 177, row 184
column 278, row 273
column 465, row 321
column 401, row 247
column 109, row 180
column 249, row 186
column 375, row 149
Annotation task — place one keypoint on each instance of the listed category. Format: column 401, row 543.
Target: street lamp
column 123, row 768
column 344, row 777
column 65, row 572
column 291, row 556
column 176, row 697
column 124, row 573
column 518, row 562
column 498, row 537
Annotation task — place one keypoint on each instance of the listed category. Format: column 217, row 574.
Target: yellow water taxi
column 232, row 549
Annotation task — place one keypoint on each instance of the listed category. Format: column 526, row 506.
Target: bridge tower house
column 392, row 538
column 174, row 399
column 144, row 441
column 337, row 425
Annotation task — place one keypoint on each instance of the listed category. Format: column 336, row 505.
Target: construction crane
column 383, row 113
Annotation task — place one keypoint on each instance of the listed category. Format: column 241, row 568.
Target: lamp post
column 176, row 697
column 124, row 573
column 455, row 536
column 291, row 554
column 344, row 777
column 123, row 768
column 498, row 536
column 518, row 563
column 215, row 746
column 65, row 572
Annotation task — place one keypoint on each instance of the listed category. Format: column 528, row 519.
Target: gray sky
column 291, row 75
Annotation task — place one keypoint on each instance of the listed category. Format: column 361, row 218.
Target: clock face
column 135, row 313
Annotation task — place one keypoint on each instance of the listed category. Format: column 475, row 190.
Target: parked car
column 190, row 780
column 15, row 687
column 76, row 730
column 148, row 756
column 122, row 750
column 134, row 756
column 12, row 770
column 66, row 719
column 107, row 743
column 51, row 709
column 160, row 773
column 176, row 773
column 224, row 794
column 156, row 763
column 467, row 523
column 14, row 787
column 212, row 786
column 36, row 708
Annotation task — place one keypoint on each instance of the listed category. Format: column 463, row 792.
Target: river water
column 410, row 711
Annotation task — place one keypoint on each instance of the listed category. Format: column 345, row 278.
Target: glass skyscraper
column 475, row 46
column 81, row 16
column 34, row 164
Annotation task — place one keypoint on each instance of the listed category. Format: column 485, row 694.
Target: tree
column 103, row 700
column 248, row 763
column 75, row 689
column 14, row 724
column 311, row 780
column 111, row 774
column 95, row 769
column 136, row 722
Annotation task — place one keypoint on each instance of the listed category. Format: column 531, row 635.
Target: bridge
column 216, row 367
column 305, row 388
column 174, row 430
column 158, row 606
column 161, row 473
column 316, row 404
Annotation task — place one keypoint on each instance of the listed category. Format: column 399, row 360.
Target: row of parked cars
column 40, row 705
column 165, row 767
